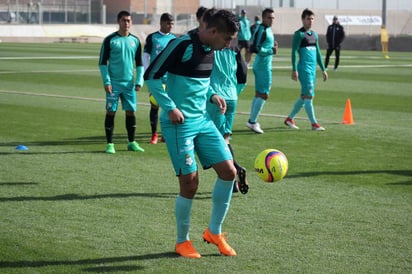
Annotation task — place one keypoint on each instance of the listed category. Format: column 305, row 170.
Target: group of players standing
column 196, row 79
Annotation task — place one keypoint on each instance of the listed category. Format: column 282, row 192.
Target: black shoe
column 242, row 181
column 235, row 187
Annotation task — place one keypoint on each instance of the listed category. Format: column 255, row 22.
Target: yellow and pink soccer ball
column 271, row 165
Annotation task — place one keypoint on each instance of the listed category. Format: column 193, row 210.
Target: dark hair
column 166, row 17
column 207, row 14
column 121, row 14
column 257, row 18
column 266, row 11
column 307, row 12
column 200, row 11
column 223, row 21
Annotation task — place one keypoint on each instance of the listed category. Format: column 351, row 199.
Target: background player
column 305, row 44
column 155, row 43
column 265, row 46
column 120, row 52
column 228, row 79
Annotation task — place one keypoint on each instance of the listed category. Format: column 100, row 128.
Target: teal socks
column 296, row 108
column 308, row 104
column 183, row 207
column 310, row 111
column 222, row 194
column 257, row 106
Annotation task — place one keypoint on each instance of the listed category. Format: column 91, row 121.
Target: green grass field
column 67, row 207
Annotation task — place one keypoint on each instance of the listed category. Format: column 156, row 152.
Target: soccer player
column 334, row 36
column 305, row 44
column 255, row 25
column 228, row 79
column 244, row 35
column 385, row 42
column 188, row 61
column 120, row 52
column 199, row 17
column 155, row 43
column 265, row 46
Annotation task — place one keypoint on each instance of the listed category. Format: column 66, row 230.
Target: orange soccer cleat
column 187, row 250
column 220, row 241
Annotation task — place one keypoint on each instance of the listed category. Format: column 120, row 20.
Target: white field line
column 275, row 61
column 50, row 71
column 52, row 95
column 354, row 66
column 139, row 103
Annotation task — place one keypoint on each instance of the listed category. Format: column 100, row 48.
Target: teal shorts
column 307, row 81
column 263, row 80
column 199, row 137
column 223, row 122
column 125, row 91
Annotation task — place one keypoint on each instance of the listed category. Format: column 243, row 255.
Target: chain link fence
column 50, row 11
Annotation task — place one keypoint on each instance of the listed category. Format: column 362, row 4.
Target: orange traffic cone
column 347, row 115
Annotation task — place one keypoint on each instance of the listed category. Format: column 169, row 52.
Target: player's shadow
column 17, row 183
column 92, row 262
column 406, row 173
column 77, row 197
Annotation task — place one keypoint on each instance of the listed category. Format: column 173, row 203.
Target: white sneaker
column 255, row 127
column 317, row 127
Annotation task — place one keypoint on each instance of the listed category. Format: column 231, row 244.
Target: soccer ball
column 271, row 165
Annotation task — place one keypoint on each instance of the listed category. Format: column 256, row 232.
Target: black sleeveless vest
column 201, row 63
column 308, row 40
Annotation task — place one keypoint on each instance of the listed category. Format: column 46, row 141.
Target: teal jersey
column 188, row 65
column 156, row 42
column 263, row 42
column 306, row 45
column 244, row 33
column 118, row 57
column 229, row 73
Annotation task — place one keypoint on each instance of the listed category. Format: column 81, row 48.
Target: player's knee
column 188, row 185
column 264, row 96
column 229, row 174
